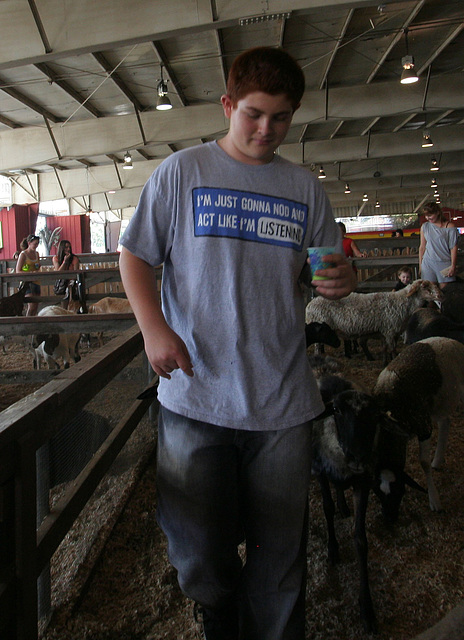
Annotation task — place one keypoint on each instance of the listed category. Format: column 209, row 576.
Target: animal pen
column 72, row 451
column 53, row 475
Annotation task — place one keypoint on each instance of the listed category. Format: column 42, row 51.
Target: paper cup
column 316, row 255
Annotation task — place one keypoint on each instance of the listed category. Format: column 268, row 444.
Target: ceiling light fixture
column 347, row 188
column 426, row 140
column 408, row 75
column 433, row 184
column 264, row 17
column 163, row 103
column 377, row 204
column 127, row 161
column 434, row 166
column 365, row 198
column 321, row 175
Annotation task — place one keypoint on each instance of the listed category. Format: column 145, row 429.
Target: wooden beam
column 67, row 88
column 103, row 62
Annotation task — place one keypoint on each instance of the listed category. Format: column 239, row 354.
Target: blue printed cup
column 316, row 257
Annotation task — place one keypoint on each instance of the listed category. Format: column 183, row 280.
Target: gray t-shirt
column 440, row 241
column 233, row 241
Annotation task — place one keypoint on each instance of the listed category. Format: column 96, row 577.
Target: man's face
column 259, row 123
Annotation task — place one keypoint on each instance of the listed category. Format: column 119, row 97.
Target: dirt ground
column 416, row 565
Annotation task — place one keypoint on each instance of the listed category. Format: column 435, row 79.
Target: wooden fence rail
column 24, row 428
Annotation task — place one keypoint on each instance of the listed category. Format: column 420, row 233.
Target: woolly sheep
column 426, row 323
column 423, row 385
column 382, row 313
column 453, row 302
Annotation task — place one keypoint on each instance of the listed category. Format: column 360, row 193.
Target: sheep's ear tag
column 328, row 411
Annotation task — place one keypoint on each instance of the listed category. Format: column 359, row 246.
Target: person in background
column 350, row 247
column 29, row 261
column 236, row 390
column 438, row 249
column 66, row 260
column 398, row 233
column 404, row 278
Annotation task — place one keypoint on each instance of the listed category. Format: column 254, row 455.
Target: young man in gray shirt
column 231, row 222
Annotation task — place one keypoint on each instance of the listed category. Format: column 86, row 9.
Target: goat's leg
column 365, row 348
column 318, row 347
column 51, row 362
column 360, row 498
column 424, row 456
column 341, row 503
column 329, row 512
column 443, row 432
column 348, row 348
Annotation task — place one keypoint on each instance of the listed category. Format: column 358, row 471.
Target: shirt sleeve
column 149, row 234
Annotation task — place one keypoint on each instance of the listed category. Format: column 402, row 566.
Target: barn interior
column 81, row 86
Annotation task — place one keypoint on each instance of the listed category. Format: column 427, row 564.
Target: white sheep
column 382, row 313
column 51, row 347
column 423, row 385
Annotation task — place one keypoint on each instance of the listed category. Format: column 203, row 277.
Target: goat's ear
column 328, row 411
column 37, row 340
column 391, row 425
column 412, row 483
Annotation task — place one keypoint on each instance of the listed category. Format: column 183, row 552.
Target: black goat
column 343, row 454
column 321, row 333
column 13, row 305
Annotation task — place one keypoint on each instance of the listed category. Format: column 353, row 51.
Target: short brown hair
column 266, row 69
column 405, row 269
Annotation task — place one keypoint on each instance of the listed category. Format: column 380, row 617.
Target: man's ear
column 227, row 105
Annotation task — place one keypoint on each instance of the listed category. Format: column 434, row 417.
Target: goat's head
column 320, row 332
column 357, row 418
column 427, row 290
column 50, row 340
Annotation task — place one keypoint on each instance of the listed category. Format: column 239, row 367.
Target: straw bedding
column 416, row 566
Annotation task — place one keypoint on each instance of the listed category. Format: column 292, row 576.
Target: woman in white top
column 438, row 250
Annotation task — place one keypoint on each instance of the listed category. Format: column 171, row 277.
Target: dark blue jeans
column 220, row 486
